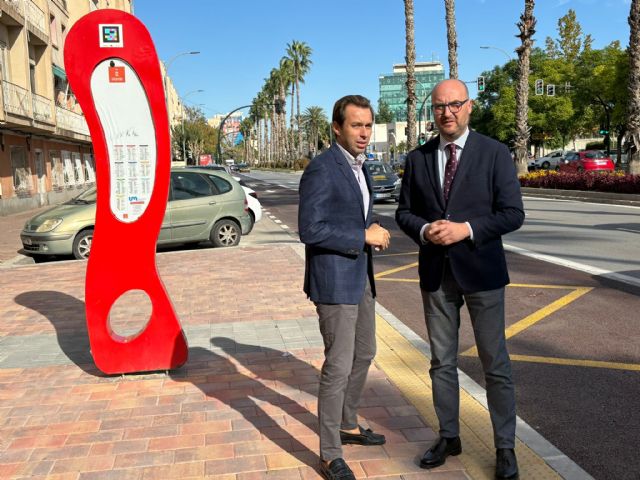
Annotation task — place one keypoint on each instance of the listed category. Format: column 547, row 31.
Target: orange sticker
column 116, row 74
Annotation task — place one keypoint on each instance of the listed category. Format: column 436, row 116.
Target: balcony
column 14, row 10
column 36, row 22
column 71, row 121
column 42, row 108
column 17, row 100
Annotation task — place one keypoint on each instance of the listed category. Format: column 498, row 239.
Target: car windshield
column 88, row 196
column 595, row 155
column 379, row 169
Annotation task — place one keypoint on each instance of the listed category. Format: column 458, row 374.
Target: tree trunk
column 527, row 28
column 299, row 149
column 410, row 59
column 633, row 122
column 452, row 40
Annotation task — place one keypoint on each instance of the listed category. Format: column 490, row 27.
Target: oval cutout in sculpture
column 129, row 315
column 123, row 109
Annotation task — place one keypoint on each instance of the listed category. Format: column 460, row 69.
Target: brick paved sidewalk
column 243, row 407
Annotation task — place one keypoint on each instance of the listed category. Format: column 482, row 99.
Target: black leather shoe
column 365, row 437
column 506, row 464
column 439, row 451
column 336, row 470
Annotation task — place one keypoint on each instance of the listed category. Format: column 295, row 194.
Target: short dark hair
column 341, row 105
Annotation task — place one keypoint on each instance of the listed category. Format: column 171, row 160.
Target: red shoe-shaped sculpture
column 115, row 75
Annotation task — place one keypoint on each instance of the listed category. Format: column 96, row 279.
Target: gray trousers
column 486, row 309
column 349, row 336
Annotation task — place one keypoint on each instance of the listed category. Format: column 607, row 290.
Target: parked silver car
column 551, row 161
column 203, row 206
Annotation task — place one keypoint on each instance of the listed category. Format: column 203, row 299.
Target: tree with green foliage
column 385, row 114
column 195, row 134
column 633, row 121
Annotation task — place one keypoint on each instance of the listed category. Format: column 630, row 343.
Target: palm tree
column 314, row 120
column 300, row 55
column 527, row 26
column 633, row 122
column 410, row 59
column 452, row 42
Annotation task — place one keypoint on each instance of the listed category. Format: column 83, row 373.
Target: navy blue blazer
column 332, row 225
column 485, row 192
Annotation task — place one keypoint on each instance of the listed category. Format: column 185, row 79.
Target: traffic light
column 603, row 130
column 480, row 84
column 422, row 140
column 551, row 90
column 539, row 87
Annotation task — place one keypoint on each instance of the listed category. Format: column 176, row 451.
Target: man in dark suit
column 335, row 224
column 460, row 194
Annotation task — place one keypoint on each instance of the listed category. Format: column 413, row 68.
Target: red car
column 587, row 161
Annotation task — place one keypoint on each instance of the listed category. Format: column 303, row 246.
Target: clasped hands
column 377, row 236
column 445, row 232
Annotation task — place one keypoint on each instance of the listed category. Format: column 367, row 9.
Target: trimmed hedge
column 615, row 182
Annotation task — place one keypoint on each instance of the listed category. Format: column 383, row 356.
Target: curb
column 624, row 199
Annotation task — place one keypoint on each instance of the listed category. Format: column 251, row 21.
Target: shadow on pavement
column 212, row 373
column 66, row 314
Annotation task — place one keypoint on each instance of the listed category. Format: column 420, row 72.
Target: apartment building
column 45, row 148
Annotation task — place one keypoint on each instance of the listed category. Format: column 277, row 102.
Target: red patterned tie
column 450, row 170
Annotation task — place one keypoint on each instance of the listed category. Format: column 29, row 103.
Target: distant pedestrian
column 335, row 224
column 460, row 194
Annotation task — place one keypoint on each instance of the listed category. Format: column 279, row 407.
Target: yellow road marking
column 396, row 270
column 536, row 316
column 576, row 362
column 407, row 368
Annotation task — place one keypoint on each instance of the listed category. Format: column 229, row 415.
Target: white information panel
column 125, row 116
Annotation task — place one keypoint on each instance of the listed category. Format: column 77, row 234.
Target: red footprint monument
column 115, row 75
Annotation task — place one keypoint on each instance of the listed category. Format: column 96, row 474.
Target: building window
column 89, row 170
column 57, row 171
column 78, row 170
column 53, row 29
column 21, row 171
column 69, row 175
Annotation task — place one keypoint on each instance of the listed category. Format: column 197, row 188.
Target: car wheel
column 82, row 244
column 557, row 168
column 225, row 233
column 253, row 222
column 546, row 165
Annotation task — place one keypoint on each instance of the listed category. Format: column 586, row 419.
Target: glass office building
column 393, row 88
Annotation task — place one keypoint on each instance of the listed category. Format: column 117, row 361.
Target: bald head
column 451, row 108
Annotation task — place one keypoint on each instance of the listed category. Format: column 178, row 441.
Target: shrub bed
column 615, row 182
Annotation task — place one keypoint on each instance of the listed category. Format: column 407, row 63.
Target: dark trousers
column 486, row 309
column 349, row 336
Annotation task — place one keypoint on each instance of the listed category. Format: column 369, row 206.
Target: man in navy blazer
column 460, row 194
column 335, row 224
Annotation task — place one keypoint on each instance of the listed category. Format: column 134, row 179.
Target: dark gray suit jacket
column 485, row 192
column 331, row 224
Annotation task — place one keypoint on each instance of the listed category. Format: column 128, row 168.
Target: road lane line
column 395, row 270
column 576, row 362
column 536, row 316
column 575, row 265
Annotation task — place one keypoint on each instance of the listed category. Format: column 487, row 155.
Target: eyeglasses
column 454, row 107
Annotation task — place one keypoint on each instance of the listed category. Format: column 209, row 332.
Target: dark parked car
column 204, row 205
column 385, row 182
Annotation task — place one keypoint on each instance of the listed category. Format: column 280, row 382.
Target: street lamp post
column 184, row 148
column 486, row 47
column 167, row 64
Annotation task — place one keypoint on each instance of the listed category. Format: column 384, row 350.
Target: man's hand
column 377, row 236
column 444, row 232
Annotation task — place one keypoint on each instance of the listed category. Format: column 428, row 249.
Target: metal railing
column 72, row 121
column 36, row 17
column 16, row 99
column 42, row 108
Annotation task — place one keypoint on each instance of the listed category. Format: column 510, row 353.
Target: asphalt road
column 574, row 334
